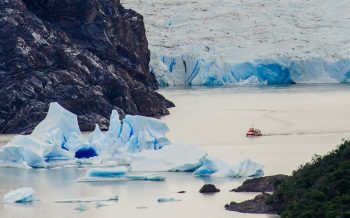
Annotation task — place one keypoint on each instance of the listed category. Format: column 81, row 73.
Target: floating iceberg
column 164, row 200
column 58, row 138
column 88, row 200
column 217, row 168
column 115, row 174
column 135, row 143
column 107, row 172
column 22, row 195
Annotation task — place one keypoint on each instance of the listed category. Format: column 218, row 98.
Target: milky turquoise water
column 299, row 121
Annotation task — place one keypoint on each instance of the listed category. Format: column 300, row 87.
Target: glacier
column 132, row 144
column 21, row 195
column 195, row 71
column 246, row 42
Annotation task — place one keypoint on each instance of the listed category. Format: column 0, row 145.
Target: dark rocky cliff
column 91, row 56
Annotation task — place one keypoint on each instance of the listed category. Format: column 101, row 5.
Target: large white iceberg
column 136, row 141
column 58, row 138
column 21, row 195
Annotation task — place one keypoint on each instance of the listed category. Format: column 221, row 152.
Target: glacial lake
column 298, row 121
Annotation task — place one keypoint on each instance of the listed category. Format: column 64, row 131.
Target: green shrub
column 319, row 189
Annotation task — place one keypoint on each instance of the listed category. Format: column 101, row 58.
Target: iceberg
column 88, row 200
column 107, row 172
column 249, row 168
column 164, row 200
column 58, row 138
column 21, row 195
column 133, row 144
column 214, row 167
column 115, row 174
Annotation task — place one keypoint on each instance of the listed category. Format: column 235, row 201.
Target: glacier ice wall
column 188, row 70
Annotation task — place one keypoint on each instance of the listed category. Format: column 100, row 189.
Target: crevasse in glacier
column 138, row 142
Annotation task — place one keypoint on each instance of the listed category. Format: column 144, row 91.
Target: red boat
column 252, row 132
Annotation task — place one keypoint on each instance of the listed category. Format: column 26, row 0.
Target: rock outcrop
column 263, row 184
column 209, row 188
column 90, row 56
column 257, row 205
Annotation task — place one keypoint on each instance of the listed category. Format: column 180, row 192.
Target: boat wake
column 308, row 132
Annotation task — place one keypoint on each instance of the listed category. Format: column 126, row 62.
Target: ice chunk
column 146, row 177
column 129, row 177
column 88, row 200
column 163, row 200
column 249, row 168
column 115, row 174
column 21, row 195
column 175, row 157
column 107, row 172
column 217, row 168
